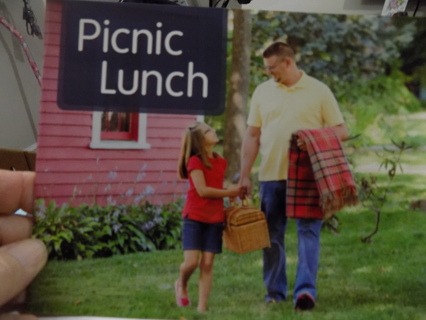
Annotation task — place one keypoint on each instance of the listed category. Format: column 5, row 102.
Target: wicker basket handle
column 244, row 203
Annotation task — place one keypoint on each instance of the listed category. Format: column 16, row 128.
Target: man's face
column 276, row 67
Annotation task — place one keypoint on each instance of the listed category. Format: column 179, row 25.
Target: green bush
column 94, row 231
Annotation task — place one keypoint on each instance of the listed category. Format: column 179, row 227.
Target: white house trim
column 97, row 143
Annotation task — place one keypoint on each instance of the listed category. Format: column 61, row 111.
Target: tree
column 235, row 113
column 414, row 57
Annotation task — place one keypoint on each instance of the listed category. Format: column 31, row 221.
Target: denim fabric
column 273, row 204
column 273, row 200
column 308, row 234
column 202, row 236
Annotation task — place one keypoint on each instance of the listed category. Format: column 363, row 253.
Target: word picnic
column 151, row 38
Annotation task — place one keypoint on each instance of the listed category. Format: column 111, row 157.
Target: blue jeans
column 273, row 204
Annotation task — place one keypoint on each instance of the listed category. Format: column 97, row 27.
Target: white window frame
column 98, row 143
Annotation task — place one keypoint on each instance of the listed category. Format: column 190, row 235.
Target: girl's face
column 210, row 137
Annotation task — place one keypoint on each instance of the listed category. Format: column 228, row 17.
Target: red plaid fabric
column 319, row 181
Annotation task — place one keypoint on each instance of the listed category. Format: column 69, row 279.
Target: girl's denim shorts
column 202, row 236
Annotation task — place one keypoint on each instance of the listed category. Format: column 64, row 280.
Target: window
column 119, row 126
column 119, row 130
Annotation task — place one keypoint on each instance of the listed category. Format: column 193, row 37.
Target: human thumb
column 20, row 262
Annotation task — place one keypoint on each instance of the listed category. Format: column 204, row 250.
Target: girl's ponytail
column 192, row 145
column 185, row 154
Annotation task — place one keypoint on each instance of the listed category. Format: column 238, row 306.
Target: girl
column 203, row 213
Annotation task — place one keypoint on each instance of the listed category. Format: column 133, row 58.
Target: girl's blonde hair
column 193, row 145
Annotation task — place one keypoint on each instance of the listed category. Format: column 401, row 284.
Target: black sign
column 132, row 57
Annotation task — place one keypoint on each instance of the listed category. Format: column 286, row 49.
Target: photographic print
column 393, row 6
column 121, row 83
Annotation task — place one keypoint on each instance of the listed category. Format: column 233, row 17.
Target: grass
column 381, row 280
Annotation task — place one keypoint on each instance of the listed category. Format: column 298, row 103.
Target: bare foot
column 181, row 298
column 202, row 309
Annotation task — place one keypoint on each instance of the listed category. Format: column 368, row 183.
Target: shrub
column 94, row 231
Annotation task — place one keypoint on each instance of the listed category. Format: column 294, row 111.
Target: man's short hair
column 280, row 49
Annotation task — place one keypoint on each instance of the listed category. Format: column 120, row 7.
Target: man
column 290, row 101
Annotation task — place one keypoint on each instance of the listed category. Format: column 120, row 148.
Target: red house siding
column 69, row 171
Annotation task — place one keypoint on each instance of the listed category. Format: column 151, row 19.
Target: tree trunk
column 236, row 104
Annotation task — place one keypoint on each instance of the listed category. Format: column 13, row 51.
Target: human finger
column 14, row 228
column 301, row 144
column 20, row 262
column 242, row 192
column 245, row 183
column 16, row 190
column 12, row 316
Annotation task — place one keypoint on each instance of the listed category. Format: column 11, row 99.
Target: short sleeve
column 254, row 118
column 331, row 111
column 194, row 163
column 224, row 163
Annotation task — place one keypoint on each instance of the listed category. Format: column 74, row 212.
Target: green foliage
column 336, row 49
column 367, row 108
column 375, row 196
column 163, row 225
column 95, row 231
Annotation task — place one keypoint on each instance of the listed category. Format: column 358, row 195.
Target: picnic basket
column 245, row 229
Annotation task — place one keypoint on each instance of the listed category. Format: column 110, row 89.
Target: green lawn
column 385, row 279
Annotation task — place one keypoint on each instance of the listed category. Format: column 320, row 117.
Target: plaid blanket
column 319, row 181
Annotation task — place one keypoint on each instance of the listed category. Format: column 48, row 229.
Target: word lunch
column 140, row 80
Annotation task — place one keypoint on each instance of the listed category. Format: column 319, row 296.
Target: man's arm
column 341, row 131
column 250, row 148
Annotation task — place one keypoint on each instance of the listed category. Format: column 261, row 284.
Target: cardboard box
column 18, row 160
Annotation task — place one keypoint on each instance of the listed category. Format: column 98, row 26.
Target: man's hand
column 249, row 151
column 245, row 185
column 301, row 144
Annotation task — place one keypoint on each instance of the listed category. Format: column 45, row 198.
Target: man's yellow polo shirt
column 279, row 111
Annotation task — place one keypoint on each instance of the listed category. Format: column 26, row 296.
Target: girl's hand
column 237, row 191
